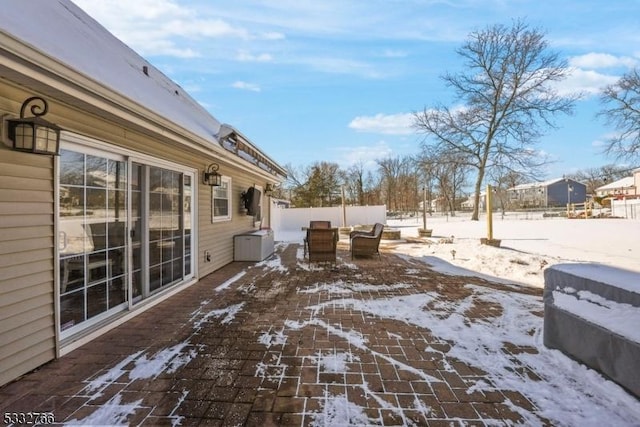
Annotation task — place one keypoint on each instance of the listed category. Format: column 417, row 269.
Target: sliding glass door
column 124, row 234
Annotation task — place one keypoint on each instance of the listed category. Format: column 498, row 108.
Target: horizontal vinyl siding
column 27, row 358
column 27, row 328
column 24, row 244
column 217, row 238
column 11, row 312
column 15, row 345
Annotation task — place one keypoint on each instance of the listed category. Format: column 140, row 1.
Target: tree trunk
column 476, row 196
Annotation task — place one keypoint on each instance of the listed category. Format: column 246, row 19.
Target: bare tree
column 295, row 183
column 372, row 189
column 390, row 170
column 450, row 174
column 622, row 109
column 508, row 98
column 599, row 176
column 428, row 163
column 399, row 182
column 504, row 179
column 355, row 183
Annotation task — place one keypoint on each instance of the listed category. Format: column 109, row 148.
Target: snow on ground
column 168, row 360
column 529, row 244
column 569, row 393
column 564, row 391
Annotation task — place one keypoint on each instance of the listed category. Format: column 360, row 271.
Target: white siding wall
column 27, row 324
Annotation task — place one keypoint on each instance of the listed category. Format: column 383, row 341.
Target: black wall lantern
column 268, row 189
column 34, row 134
column 211, row 176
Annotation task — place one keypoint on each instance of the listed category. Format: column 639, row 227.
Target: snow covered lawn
column 528, row 245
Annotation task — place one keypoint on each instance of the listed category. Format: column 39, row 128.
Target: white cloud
column 390, row 53
column 249, row 57
column 602, row 60
column 389, row 124
column 365, row 154
column 272, row 35
column 164, row 47
column 246, row 86
column 192, row 27
column 335, row 65
column 164, row 27
column 584, row 81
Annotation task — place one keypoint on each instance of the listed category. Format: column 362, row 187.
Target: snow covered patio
column 370, row 342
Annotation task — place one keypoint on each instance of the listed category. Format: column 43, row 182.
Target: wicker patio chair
column 315, row 224
column 319, row 224
column 322, row 244
column 366, row 243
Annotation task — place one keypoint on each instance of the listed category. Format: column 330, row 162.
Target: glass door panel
column 186, row 216
column 166, row 258
column 117, row 292
column 92, row 200
column 137, row 179
column 160, row 254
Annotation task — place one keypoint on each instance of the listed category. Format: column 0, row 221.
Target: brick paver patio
column 262, row 345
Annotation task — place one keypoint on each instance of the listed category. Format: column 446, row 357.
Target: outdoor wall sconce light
column 211, row 176
column 268, row 189
column 34, row 134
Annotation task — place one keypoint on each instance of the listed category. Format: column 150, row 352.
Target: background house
column 553, row 193
column 625, row 187
column 469, row 203
column 124, row 217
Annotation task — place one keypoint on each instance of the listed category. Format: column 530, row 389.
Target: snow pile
column 619, row 318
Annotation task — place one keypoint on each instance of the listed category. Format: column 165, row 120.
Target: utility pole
column 489, row 213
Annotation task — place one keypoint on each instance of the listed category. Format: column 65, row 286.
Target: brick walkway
column 266, row 344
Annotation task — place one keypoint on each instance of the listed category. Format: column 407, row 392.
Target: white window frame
column 262, row 198
column 228, row 217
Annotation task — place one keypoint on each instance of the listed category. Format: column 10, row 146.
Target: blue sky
column 338, row 80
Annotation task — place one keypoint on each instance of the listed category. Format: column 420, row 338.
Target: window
column 221, row 201
column 258, row 216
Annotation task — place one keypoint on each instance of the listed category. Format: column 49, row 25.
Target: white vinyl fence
column 293, row 219
column 629, row 209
